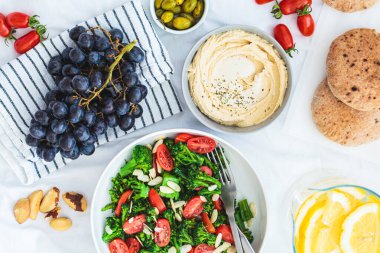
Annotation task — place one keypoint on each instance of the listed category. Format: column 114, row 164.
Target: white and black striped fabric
column 25, row 81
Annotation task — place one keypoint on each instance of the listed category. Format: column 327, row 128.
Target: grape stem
column 86, row 101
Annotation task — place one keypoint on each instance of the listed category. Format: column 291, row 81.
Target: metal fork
column 228, row 192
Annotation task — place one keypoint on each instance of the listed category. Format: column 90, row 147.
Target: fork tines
column 219, row 158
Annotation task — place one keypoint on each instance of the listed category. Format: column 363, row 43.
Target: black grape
column 65, row 54
column 89, row 118
column 99, row 127
column 122, row 107
column 31, row 141
column 58, row 126
column 80, row 83
column 130, row 79
column 81, row 133
column 37, row 131
column 86, row 41
column 55, row 66
column 75, row 32
column 70, row 70
column 59, row 110
column 65, row 85
column 101, row 43
column 111, row 120
column 42, row 117
column 77, row 56
column 87, row 149
column 76, row 114
column 96, row 79
column 116, row 34
column 136, row 55
column 126, row 122
column 67, row 142
column 137, row 111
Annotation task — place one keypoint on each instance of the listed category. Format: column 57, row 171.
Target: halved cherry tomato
column 183, row 137
column 305, row 21
column 204, row 248
column 285, row 38
column 207, row 223
column 162, row 232
column 123, row 198
column 133, row 245
column 134, row 225
column 164, row 158
column 192, row 250
column 22, row 20
column 5, row 29
column 156, row 200
column 263, row 1
column 118, row 246
column 206, row 170
column 201, row 145
column 218, row 204
column 29, row 40
column 287, row 7
column 226, row 232
column 193, row 208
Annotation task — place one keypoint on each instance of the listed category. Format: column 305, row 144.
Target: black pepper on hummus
column 237, row 78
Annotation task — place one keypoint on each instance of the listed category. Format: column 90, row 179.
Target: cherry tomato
column 284, row 37
column 123, row 198
column 287, row 7
column 207, row 223
column 134, row 225
column 305, row 21
column 118, row 246
column 204, row 248
column 5, row 29
column 206, row 170
column 263, row 1
column 201, row 145
column 192, row 250
column 218, row 204
column 156, row 200
column 183, row 137
column 226, row 232
column 133, row 245
column 162, row 232
column 193, row 208
column 164, row 158
column 29, row 40
column 22, row 20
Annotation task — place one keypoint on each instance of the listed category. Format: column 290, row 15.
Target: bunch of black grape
column 96, row 87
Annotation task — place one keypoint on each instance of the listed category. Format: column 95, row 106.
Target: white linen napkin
column 25, row 81
column 299, row 122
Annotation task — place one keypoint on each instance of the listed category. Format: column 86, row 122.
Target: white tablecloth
column 278, row 159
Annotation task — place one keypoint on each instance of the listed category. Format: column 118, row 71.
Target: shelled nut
column 21, row 210
column 35, row 202
column 50, row 200
column 75, row 200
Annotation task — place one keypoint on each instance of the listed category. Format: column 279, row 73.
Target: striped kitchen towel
column 25, row 81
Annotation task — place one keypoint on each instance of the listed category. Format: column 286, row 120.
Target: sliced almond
column 50, row 200
column 212, row 187
column 222, row 247
column 148, row 146
column 185, row 248
column 35, row 202
column 178, row 204
column 152, row 173
column 252, row 206
column 21, row 210
column 137, row 173
column 167, row 190
column 143, row 178
column 159, row 168
column 172, row 250
column 158, row 143
column 156, row 181
column 214, row 216
column 178, row 217
column 75, row 200
column 215, row 197
column 231, row 249
column 174, row 186
column 250, row 223
column 204, row 200
column 218, row 240
column 61, row 224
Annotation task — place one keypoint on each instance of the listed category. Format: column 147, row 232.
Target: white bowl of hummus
column 236, row 79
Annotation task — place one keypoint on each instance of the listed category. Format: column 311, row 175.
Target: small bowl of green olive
column 179, row 16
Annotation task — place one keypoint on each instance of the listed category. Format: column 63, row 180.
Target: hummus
column 237, row 78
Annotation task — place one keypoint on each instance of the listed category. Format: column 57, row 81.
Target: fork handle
column 235, row 233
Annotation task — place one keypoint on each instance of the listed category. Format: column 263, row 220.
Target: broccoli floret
column 201, row 235
column 200, row 179
column 169, row 143
column 183, row 156
column 165, row 179
column 113, row 229
column 141, row 159
column 140, row 190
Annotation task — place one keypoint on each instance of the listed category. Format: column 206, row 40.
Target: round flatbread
column 350, row 5
column 340, row 123
column 353, row 69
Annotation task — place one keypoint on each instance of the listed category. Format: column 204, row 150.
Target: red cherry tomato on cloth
column 29, row 40
column 207, row 223
column 134, row 225
column 226, row 232
column 5, row 29
column 123, row 199
column 156, row 200
column 284, row 37
column 204, row 248
column 164, row 158
column 201, row 145
column 183, row 137
column 22, row 20
column 133, row 245
column 193, row 208
column 118, row 246
column 287, row 7
column 305, row 21
column 263, row 1
column 162, row 232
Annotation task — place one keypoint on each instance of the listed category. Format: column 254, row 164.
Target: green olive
column 168, row 4
column 179, row 2
column 176, row 10
column 170, row 24
column 181, row 23
column 167, row 16
column 157, row 3
column 189, row 5
column 188, row 16
column 198, row 11
column 159, row 13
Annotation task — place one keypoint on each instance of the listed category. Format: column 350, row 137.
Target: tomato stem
column 276, row 11
column 289, row 51
column 33, row 21
column 305, row 11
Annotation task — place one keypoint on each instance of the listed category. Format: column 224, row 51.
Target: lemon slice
column 306, row 206
column 361, row 230
column 327, row 240
column 313, row 227
column 337, row 206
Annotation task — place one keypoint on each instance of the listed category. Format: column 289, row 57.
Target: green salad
column 166, row 198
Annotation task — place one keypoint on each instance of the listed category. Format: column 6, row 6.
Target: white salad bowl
column 248, row 185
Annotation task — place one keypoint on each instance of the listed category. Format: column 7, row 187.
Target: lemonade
column 341, row 219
